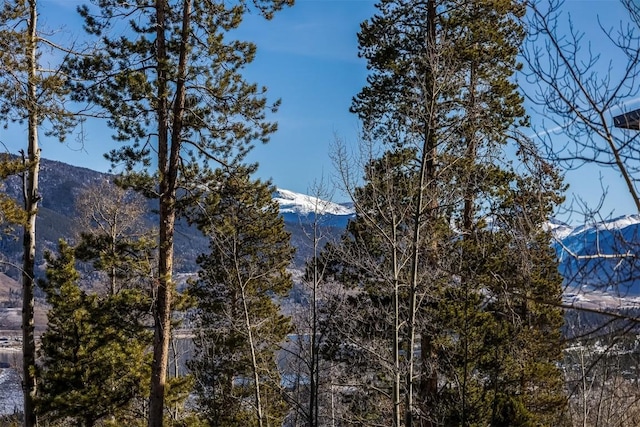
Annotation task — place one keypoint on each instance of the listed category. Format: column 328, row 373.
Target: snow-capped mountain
column 600, row 262
column 559, row 229
column 600, row 257
column 303, row 209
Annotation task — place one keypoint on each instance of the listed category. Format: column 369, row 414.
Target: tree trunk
column 467, row 224
column 396, row 333
column 254, row 360
column 162, row 309
column 168, row 159
column 429, row 381
column 162, row 312
column 31, row 198
column 313, row 372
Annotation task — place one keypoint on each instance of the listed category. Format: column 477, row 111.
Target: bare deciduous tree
column 578, row 93
column 579, row 90
column 113, row 234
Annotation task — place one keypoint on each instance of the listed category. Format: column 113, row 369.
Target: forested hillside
column 187, row 290
column 61, row 184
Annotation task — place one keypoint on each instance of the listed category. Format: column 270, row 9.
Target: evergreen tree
column 239, row 324
column 11, row 214
column 448, row 235
column 172, row 88
column 94, row 351
column 501, row 350
column 35, row 95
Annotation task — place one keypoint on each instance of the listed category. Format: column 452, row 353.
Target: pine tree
column 30, row 93
column 240, row 326
column 172, row 88
column 446, row 221
column 94, row 351
column 11, row 213
column 502, row 309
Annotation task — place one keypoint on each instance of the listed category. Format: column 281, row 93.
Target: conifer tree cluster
column 94, row 359
column 172, row 90
column 447, row 263
column 443, row 309
column 240, row 326
column 95, row 362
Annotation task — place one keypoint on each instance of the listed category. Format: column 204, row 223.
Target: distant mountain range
column 599, row 262
column 304, row 209
column 60, row 183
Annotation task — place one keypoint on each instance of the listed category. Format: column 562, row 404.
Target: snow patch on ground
column 598, row 300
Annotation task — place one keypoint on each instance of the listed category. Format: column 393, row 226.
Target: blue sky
column 307, row 56
column 588, row 183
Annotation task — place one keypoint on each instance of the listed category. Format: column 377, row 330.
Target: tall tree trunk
column 315, row 360
column 429, row 380
column 467, row 224
column 31, row 198
column 396, row 332
column 113, row 273
column 168, row 159
column 254, row 359
column 162, row 315
column 426, row 184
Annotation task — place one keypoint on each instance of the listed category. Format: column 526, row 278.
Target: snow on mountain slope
column 619, row 223
column 558, row 229
column 562, row 230
column 601, row 257
column 600, row 262
column 304, row 209
column 303, row 204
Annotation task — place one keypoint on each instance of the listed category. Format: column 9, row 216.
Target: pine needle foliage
column 11, row 213
column 239, row 324
column 94, row 359
column 452, row 289
column 168, row 79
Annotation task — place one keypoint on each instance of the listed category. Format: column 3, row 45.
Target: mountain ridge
column 601, row 258
column 60, row 183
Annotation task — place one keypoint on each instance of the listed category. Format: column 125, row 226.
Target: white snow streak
column 303, row 204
